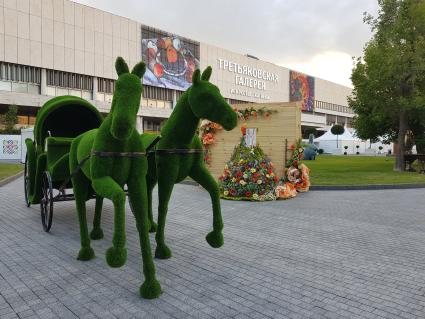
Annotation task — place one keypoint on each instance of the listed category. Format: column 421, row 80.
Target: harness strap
column 75, row 171
column 180, row 151
column 118, row 154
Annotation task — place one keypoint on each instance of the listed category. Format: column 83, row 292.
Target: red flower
column 243, row 129
column 292, row 147
column 276, row 178
column 232, row 191
column 295, row 163
column 248, row 194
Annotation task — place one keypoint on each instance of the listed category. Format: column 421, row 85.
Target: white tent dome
column 328, row 142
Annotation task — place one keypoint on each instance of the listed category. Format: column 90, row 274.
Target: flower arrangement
column 252, row 112
column 296, row 177
column 208, row 129
column 249, row 175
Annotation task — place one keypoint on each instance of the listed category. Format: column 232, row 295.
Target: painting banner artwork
column 170, row 64
column 302, row 89
column 10, row 147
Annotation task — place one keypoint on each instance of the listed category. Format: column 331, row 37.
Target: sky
column 317, row 37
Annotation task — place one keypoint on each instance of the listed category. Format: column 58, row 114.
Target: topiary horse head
column 179, row 153
column 110, row 157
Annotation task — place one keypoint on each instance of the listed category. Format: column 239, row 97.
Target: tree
column 11, row 118
column 337, row 130
column 389, row 81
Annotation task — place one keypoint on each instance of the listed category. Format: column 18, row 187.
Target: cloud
column 278, row 31
column 335, row 65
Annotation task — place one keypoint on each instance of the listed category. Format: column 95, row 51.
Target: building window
column 69, row 80
column 152, row 125
column 157, row 93
column 233, row 101
column 330, row 119
column 333, row 107
column 105, row 85
column 20, row 73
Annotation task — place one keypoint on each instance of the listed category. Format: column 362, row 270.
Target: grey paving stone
column 346, row 254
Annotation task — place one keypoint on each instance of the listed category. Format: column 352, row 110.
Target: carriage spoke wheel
column 46, row 203
column 27, row 182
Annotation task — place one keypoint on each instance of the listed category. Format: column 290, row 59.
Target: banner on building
column 10, row 147
column 301, row 88
column 170, row 64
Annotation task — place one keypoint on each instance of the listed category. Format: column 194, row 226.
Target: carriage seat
column 57, row 150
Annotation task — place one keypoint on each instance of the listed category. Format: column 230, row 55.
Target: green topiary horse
column 113, row 156
column 179, row 154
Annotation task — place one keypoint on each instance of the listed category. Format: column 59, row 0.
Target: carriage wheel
column 27, row 182
column 46, row 203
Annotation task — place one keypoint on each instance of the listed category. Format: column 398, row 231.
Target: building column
column 43, row 82
column 174, row 102
column 139, row 124
column 95, row 88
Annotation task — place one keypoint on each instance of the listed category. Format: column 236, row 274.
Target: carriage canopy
column 65, row 116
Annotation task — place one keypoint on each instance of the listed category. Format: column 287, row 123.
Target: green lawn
column 7, row 170
column 358, row 170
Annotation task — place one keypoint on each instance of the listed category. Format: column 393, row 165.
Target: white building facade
column 58, row 47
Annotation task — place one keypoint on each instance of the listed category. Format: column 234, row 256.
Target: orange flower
column 216, row 126
column 208, row 139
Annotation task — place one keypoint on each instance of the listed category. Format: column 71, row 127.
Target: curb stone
column 344, row 187
column 364, row 187
column 9, row 179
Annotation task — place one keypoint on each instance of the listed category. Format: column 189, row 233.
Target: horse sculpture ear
column 120, row 66
column 139, row 69
column 206, row 74
column 196, row 77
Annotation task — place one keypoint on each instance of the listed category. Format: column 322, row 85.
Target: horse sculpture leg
column 106, row 187
column 97, row 232
column 81, row 187
column 150, row 183
column 201, row 175
column 150, row 288
column 165, row 188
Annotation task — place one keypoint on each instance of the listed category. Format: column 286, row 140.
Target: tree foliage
column 337, row 130
column 10, row 119
column 389, row 80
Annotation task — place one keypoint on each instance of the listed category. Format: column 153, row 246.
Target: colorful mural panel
column 301, row 88
column 10, row 147
column 170, row 64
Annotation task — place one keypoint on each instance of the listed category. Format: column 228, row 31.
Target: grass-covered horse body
column 167, row 166
column 116, row 158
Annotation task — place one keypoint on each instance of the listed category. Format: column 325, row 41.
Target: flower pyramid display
column 249, row 175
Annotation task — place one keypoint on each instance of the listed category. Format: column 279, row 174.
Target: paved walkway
column 347, row 254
